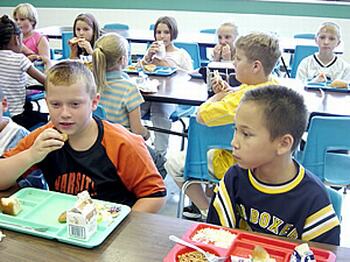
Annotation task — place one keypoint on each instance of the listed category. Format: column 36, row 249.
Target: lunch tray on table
column 40, row 212
column 326, row 87
column 243, row 245
column 159, row 71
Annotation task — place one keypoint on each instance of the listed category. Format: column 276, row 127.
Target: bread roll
column 10, row 205
column 339, row 84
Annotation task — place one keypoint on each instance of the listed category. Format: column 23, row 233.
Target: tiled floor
column 173, row 197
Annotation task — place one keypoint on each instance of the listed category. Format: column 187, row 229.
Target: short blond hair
column 330, row 27
column 231, row 25
column 109, row 50
column 68, row 72
column 262, row 47
column 28, row 11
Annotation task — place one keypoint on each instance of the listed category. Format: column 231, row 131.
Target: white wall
column 285, row 26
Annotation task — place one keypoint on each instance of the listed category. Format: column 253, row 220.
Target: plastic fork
column 208, row 256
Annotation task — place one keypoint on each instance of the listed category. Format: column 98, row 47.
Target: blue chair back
column 151, row 27
column 201, row 138
column 305, row 36
column 100, row 112
column 208, row 31
column 65, row 47
column 328, row 133
column 116, row 26
column 301, row 51
column 193, row 50
column 336, row 200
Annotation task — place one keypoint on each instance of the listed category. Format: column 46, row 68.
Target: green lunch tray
column 40, row 212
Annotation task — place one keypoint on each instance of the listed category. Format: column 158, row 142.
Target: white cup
column 161, row 52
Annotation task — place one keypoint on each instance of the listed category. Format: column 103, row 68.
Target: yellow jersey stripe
column 277, row 189
column 227, row 202
column 220, row 211
column 319, row 215
column 320, row 229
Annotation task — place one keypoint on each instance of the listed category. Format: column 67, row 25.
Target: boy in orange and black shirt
column 103, row 158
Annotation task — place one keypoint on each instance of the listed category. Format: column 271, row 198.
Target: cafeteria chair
column 100, row 112
column 208, row 31
column 323, row 153
column 193, row 49
column 115, row 26
column 301, row 51
column 336, row 200
column 65, row 47
column 304, row 36
column 201, row 138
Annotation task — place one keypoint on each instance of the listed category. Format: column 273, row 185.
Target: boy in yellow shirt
column 256, row 56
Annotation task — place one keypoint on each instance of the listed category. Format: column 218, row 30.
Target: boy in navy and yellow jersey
column 268, row 191
column 103, row 158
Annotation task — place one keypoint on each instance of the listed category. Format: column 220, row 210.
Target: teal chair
column 201, row 138
column 100, row 112
column 193, row 50
column 324, row 153
column 65, row 47
column 116, row 26
column 301, row 51
column 208, row 31
column 336, row 200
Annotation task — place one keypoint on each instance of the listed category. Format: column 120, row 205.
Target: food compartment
column 211, row 235
column 33, row 195
column 266, row 241
column 181, row 253
column 49, row 211
column 245, row 249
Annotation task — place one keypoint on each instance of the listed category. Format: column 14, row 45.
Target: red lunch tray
column 243, row 246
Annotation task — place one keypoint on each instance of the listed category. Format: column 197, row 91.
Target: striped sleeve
column 221, row 210
column 322, row 226
column 134, row 98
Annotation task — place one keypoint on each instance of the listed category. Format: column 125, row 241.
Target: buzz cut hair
column 284, row 111
column 68, row 72
column 262, row 47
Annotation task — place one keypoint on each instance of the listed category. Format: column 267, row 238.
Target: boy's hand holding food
column 49, row 140
column 218, row 84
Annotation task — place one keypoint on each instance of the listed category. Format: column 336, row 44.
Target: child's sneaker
column 192, row 212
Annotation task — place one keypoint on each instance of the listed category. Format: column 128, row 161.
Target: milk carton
column 82, row 218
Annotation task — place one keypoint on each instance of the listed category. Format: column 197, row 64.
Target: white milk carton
column 82, row 218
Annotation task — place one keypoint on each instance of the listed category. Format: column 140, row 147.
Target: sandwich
column 339, row 84
column 10, row 205
column 74, row 40
column 150, row 68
